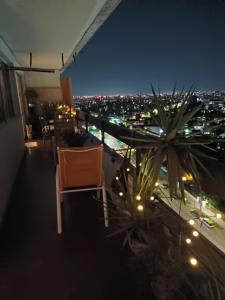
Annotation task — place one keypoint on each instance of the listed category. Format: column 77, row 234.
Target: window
column 6, row 100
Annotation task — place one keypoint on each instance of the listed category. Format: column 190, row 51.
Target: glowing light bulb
column 195, row 233
column 184, row 178
column 128, row 169
column 188, row 241
column 140, row 164
column 156, row 184
column 138, row 197
column 193, row 261
column 152, row 198
column 117, row 178
column 191, row 222
column 121, row 194
column 140, row 207
column 218, row 216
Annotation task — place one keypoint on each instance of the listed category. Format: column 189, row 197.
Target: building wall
column 39, row 79
column 47, row 85
column 49, row 94
column 11, row 142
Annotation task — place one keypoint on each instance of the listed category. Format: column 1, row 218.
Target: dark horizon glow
column 154, row 42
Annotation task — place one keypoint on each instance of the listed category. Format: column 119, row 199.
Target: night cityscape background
column 154, row 42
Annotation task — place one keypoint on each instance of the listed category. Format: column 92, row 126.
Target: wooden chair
column 79, row 169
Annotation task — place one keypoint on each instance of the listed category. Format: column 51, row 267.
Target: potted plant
column 141, row 220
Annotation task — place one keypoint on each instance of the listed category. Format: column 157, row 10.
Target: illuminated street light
column 121, row 194
column 188, row 241
column 195, row 233
column 193, row 261
column 191, row 222
column 140, row 207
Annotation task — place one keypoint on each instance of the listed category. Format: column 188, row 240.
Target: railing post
column 138, row 160
column 103, row 132
column 86, row 122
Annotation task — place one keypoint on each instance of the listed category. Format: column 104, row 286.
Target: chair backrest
column 80, row 166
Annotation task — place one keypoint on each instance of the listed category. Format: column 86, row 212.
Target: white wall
column 11, row 144
column 38, row 79
column 47, row 85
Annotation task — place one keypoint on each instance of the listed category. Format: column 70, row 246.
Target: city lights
column 136, row 112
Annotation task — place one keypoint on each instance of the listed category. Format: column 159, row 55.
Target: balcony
column 36, row 263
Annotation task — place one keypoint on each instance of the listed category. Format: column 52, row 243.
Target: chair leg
column 59, row 213
column 105, row 207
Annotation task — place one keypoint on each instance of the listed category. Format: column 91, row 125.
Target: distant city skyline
column 154, row 42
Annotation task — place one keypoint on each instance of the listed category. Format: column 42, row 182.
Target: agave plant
column 182, row 153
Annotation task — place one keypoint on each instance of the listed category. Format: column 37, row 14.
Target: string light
column 140, row 207
column 184, row 178
column 128, row 169
column 138, row 197
column 152, row 198
column 195, row 233
column 140, row 164
column 121, row 194
column 188, row 241
column 193, row 261
column 156, row 184
column 117, row 178
column 191, row 222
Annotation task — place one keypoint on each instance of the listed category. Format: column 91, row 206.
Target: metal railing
column 121, row 133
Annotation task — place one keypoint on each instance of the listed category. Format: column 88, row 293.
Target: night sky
column 157, row 42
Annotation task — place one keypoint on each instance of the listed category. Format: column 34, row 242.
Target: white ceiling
column 48, row 28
